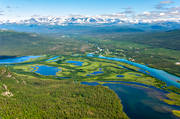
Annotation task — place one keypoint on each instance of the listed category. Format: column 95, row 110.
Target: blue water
column 17, row 59
column 97, row 72
column 46, row 70
column 120, row 75
column 135, row 74
column 77, row 63
column 90, row 55
column 141, row 102
column 90, row 83
column 170, row 79
column 53, row 58
column 137, row 84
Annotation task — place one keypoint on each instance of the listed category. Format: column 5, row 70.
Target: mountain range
column 87, row 24
column 50, row 20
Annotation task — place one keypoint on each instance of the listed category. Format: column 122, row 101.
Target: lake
column 140, row 102
column 14, row 60
column 76, row 63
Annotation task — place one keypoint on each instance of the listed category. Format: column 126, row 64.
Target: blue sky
column 27, row 8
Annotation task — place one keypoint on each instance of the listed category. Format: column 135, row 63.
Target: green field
column 110, row 70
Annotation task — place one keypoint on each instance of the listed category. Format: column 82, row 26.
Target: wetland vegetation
column 50, row 86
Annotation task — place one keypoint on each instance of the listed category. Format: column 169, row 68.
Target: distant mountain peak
column 50, row 20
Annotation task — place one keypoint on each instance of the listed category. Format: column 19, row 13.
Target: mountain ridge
column 91, row 20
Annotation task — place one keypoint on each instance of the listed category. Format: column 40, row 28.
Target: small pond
column 120, row 76
column 46, row 70
column 135, row 74
column 96, row 72
column 76, row 63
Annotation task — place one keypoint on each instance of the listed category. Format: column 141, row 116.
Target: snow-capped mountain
column 66, row 20
column 84, row 20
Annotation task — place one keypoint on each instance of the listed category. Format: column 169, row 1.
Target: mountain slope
column 17, row 43
column 169, row 39
column 51, row 24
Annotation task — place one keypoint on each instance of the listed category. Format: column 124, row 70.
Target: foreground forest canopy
column 27, row 97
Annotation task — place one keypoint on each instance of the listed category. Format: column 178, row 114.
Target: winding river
column 170, row 79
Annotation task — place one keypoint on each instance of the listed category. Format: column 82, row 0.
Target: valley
column 80, row 70
column 89, row 59
column 85, row 67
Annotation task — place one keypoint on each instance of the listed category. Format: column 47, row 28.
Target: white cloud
column 168, row 14
column 162, row 14
column 175, row 12
column 146, row 13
